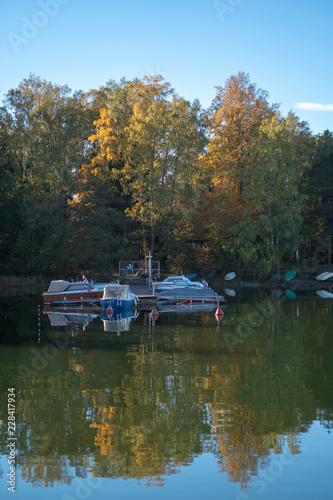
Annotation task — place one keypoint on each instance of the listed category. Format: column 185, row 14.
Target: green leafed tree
column 47, row 126
column 101, row 234
column 319, row 216
column 275, row 193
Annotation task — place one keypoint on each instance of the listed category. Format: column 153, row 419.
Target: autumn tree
column 182, row 180
column 147, row 132
column 235, row 114
column 149, row 140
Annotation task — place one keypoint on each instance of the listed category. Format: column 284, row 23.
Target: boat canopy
column 59, row 286
column 116, row 291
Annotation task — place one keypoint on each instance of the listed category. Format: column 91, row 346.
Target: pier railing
column 142, row 268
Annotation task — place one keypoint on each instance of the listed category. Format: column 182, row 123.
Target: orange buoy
column 219, row 314
column 154, row 314
column 109, row 311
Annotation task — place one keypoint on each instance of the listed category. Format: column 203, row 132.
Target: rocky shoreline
column 302, row 283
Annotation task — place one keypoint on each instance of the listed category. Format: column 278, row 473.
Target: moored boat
column 76, row 292
column 172, row 282
column 118, row 297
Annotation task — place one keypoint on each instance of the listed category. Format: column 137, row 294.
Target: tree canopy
column 91, row 178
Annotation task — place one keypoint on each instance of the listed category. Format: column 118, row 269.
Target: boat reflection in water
column 63, row 316
column 118, row 321
column 185, row 307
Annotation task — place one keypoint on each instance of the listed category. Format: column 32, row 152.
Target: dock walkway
column 147, row 299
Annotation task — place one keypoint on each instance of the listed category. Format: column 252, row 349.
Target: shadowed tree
column 48, row 129
column 320, row 190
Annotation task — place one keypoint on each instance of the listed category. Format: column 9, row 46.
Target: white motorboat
column 177, row 282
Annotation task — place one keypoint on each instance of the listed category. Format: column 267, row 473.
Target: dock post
column 38, row 314
column 149, row 257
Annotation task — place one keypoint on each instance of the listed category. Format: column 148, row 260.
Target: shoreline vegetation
column 88, row 179
column 21, row 285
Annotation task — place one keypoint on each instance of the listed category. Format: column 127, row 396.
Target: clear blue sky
column 285, row 45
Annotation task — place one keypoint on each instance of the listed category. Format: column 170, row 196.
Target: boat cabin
column 112, row 291
column 59, row 286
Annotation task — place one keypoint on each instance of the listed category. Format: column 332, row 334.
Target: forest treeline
column 91, row 178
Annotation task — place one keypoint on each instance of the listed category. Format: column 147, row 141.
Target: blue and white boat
column 118, row 297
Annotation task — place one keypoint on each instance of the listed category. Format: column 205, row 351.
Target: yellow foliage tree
column 236, row 112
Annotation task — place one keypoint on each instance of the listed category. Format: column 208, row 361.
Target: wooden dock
column 147, row 300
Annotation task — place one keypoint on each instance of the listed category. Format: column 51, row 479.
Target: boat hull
column 173, row 282
column 77, row 297
column 117, row 304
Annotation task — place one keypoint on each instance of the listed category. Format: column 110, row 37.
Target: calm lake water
column 187, row 407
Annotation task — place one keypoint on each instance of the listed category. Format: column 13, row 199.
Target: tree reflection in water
column 142, row 406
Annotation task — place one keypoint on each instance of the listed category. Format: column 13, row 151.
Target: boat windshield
column 115, row 291
column 62, row 285
column 78, row 286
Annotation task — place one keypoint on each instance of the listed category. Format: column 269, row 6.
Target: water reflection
column 63, row 316
column 144, row 404
column 119, row 321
